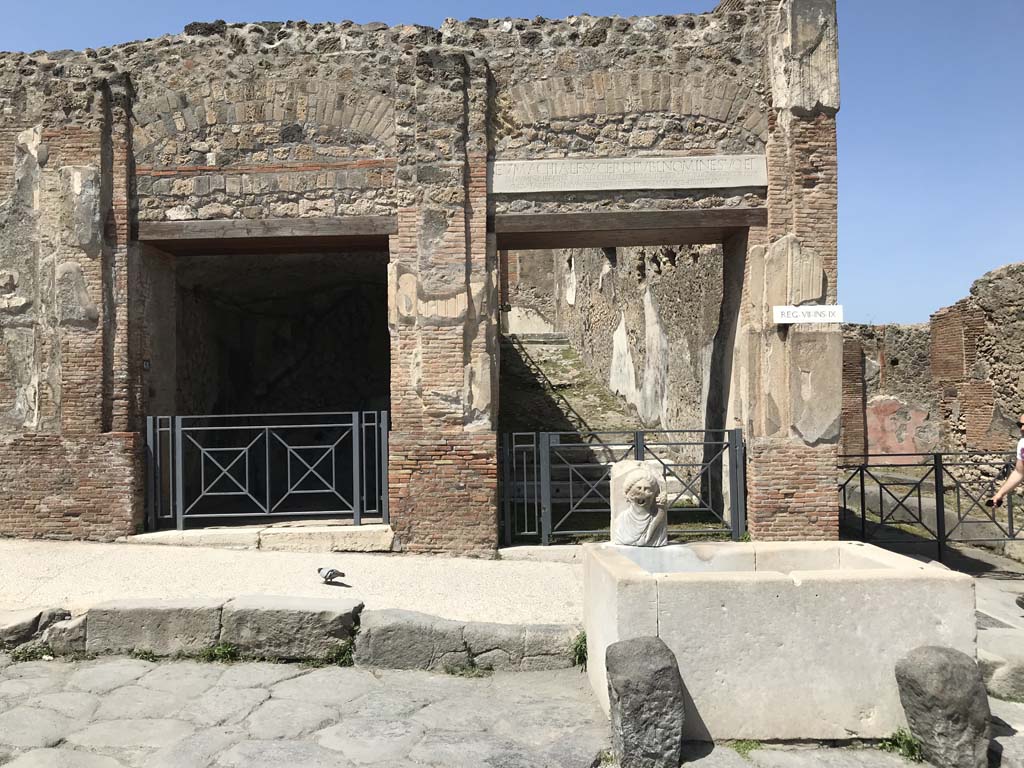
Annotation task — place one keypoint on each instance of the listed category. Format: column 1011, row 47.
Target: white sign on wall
column 664, row 172
column 826, row 313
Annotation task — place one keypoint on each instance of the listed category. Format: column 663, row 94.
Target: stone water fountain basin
column 793, row 640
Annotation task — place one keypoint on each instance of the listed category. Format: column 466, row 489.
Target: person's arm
column 1012, row 482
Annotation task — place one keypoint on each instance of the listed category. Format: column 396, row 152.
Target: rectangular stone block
column 284, row 627
column 163, row 627
column 810, row 650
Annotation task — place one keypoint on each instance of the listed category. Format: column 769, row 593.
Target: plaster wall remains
column 953, row 384
column 643, row 318
column 297, row 122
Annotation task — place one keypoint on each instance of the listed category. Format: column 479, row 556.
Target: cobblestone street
column 116, row 712
column 121, row 712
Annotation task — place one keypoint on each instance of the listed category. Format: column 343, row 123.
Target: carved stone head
column 641, row 487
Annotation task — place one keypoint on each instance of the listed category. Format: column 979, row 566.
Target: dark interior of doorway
column 282, row 332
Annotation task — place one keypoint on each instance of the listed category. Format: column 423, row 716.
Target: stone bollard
column 645, row 692
column 946, row 705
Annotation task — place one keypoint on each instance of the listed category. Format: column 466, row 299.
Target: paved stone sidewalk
column 125, row 712
column 79, row 574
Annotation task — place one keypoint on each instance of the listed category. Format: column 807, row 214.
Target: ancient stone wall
column 643, row 318
column 951, row 385
column 298, row 121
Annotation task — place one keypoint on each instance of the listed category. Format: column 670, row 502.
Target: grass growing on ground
column 144, row 654
column 342, row 655
column 744, row 747
column 30, row 652
column 578, row 651
column 469, row 669
column 222, row 652
column 903, row 743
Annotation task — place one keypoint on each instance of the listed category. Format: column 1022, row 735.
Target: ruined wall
column 158, row 287
column 256, row 121
column 951, row 385
column 643, row 318
column 890, row 404
column 786, row 382
column 614, row 87
column 62, row 254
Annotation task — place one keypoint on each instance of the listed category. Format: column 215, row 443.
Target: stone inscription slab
column 823, row 313
column 667, row 172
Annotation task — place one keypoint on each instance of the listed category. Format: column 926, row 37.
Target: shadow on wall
column 528, row 403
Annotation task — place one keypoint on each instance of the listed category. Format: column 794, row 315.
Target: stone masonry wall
column 298, row 120
column 952, row 385
column 644, row 319
column 70, row 487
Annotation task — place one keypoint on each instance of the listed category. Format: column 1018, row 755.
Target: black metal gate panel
column 251, row 466
column 929, row 499
column 557, row 485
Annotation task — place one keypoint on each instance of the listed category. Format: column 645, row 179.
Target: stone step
column 553, row 339
column 282, row 627
column 375, row 537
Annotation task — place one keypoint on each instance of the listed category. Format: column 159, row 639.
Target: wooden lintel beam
column 636, row 221
column 277, row 229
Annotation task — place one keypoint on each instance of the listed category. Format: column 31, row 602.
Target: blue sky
column 929, row 168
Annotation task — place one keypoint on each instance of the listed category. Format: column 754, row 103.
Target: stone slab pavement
column 129, row 713
column 77, row 575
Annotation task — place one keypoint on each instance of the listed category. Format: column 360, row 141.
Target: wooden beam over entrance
column 523, row 231
column 257, row 235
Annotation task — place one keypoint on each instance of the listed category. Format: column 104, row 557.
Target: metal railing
column 281, row 465
column 558, row 484
column 936, row 498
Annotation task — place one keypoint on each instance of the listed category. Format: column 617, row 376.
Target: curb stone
column 399, row 639
column 18, row 627
column 296, row 628
column 161, row 627
column 288, row 627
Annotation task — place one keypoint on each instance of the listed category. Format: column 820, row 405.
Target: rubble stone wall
column 644, row 319
column 953, row 384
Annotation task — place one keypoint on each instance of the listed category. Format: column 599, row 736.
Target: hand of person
column 995, row 501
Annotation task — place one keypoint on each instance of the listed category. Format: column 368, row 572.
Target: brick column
column 791, row 378
column 63, row 473
column 442, row 313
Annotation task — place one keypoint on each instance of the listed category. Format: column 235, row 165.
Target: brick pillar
column 854, row 422
column 123, row 331
column 442, row 313
column 792, row 376
column 62, row 472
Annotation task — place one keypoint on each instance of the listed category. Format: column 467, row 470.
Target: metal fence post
column 357, row 450
column 506, row 488
column 152, row 486
column 178, row 475
column 382, row 473
column 639, row 445
column 544, row 445
column 940, row 503
column 737, row 485
column 863, row 504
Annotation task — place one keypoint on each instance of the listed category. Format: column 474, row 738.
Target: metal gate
column 929, row 499
column 253, row 466
column 556, row 485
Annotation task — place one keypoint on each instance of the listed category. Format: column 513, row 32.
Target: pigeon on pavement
column 329, row 574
